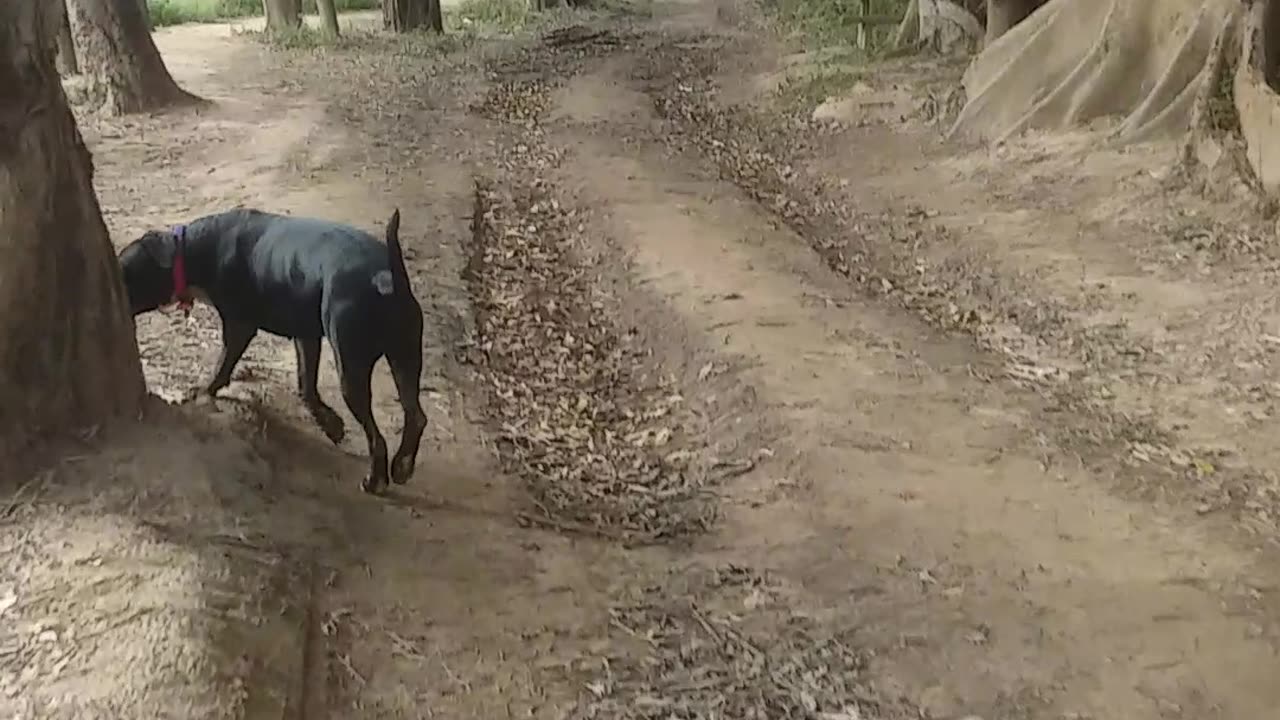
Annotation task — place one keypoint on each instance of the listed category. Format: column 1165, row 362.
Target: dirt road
column 804, row 494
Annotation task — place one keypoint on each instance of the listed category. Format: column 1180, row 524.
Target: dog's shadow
column 278, row 435
column 292, row 449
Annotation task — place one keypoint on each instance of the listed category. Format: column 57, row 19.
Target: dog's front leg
column 235, row 340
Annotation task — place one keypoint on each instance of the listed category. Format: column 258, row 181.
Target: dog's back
column 295, row 273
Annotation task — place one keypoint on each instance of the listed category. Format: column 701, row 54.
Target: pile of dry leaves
column 602, row 448
column 601, row 441
column 718, row 643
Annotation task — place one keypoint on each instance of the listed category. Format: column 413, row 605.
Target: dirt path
column 901, row 503
column 914, row 491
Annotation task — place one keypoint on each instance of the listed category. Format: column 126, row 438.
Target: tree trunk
column 282, row 14
column 68, row 357
column 405, row 15
column 1004, row 14
column 117, row 52
column 328, row 17
column 67, row 64
column 435, row 16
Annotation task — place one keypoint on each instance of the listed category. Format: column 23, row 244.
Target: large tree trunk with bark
column 435, row 16
column 283, row 15
column 1004, row 14
column 67, row 64
column 328, row 17
column 116, row 51
column 407, row 15
column 68, row 357
column 1072, row 62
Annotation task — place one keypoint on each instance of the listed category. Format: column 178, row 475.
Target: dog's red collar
column 181, row 291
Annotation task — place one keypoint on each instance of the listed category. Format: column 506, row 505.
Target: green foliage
column 174, row 12
column 506, row 16
column 822, row 23
column 811, row 89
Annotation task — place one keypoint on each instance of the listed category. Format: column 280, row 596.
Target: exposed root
column 1071, row 63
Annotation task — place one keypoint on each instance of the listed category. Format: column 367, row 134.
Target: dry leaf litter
column 597, row 435
column 716, row 644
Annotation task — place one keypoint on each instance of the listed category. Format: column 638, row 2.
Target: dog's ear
column 160, row 246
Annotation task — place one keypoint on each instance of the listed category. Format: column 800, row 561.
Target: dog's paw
column 373, row 483
column 401, row 469
column 331, row 425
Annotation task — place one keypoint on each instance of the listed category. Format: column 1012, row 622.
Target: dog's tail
column 399, row 274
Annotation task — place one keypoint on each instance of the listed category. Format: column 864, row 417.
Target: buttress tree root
column 68, row 357
column 117, row 54
column 1197, row 69
column 1073, row 61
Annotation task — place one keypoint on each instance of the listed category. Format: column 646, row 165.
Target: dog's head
column 147, row 266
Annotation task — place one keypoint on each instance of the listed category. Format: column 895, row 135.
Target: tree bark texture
column 1004, row 14
column 282, row 14
column 435, row 16
column 328, row 17
column 117, row 53
column 1269, row 40
column 67, row 64
column 68, row 357
column 405, row 15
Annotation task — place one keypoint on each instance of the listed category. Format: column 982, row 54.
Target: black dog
column 303, row 279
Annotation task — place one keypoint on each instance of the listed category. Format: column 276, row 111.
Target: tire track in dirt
column 989, row 580
column 887, row 252
column 687, row 634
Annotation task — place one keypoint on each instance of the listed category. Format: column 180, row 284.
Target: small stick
column 613, row 620
column 346, row 663
column 702, row 620
column 17, row 494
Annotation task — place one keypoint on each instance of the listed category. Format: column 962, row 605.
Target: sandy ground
column 984, row 432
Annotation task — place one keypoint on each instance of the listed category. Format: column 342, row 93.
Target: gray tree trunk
column 68, row 357
column 282, row 14
column 407, row 15
column 435, row 16
column 1004, row 14
column 67, row 64
column 117, row 53
column 328, row 17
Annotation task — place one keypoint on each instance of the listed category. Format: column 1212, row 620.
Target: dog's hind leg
column 406, row 370
column 308, row 352
column 235, row 340
column 356, row 371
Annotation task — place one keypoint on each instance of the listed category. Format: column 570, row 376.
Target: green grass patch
column 176, row 12
column 419, row 44
column 812, row 88
column 821, row 23
column 506, row 16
